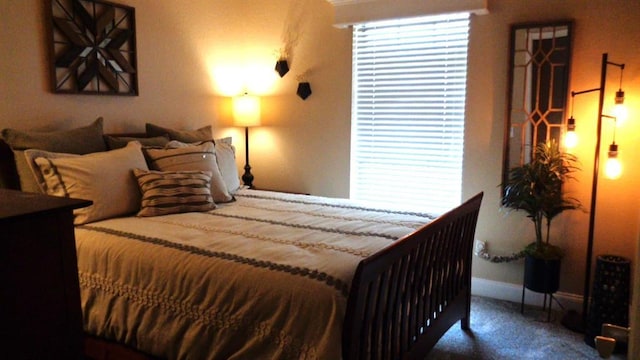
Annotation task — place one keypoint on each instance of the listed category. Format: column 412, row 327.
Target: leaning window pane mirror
column 539, row 59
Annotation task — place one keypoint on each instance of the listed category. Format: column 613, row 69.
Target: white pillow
column 177, row 156
column 226, row 154
column 105, row 178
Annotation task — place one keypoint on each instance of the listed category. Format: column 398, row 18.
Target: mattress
column 266, row 276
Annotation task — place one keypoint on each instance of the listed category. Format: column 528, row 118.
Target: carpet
column 499, row 331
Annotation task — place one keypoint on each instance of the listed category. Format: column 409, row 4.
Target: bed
column 263, row 274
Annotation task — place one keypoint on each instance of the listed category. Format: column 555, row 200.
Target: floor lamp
column 613, row 169
column 246, row 113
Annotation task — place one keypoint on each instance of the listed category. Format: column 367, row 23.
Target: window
column 409, row 86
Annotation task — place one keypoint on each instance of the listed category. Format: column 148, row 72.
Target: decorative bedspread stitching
column 341, row 206
column 320, row 276
column 300, row 244
column 308, row 227
column 206, row 317
column 156, row 299
column 409, row 224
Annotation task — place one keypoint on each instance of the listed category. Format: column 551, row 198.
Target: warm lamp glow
column 613, row 167
column 246, row 111
column 570, row 139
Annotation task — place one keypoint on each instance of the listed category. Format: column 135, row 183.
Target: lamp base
column 247, row 177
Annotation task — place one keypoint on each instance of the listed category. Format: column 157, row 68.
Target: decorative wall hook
column 304, row 90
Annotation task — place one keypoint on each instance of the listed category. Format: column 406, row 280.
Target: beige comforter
column 264, row 277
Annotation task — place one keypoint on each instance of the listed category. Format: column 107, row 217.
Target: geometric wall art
column 93, row 48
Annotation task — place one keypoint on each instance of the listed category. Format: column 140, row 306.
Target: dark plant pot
column 541, row 275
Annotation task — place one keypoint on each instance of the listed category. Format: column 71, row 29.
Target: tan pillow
column 105, row 178
column 187, row 157
column 186, row 136
column 226, row 155
column 170, row 192
column 31, row 155
column 82, row 140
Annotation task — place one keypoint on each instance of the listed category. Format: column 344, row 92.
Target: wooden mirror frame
column 538, row 88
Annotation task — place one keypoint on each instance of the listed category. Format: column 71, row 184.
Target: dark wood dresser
column 40, row 313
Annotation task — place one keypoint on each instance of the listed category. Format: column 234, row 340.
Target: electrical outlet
column 479, row 247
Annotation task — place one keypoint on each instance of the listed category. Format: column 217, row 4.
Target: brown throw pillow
column 186, row 136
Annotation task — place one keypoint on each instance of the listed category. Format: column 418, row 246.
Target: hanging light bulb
column 613, row 167
column 570, row 137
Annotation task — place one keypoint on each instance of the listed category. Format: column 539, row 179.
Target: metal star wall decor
column 93, row 48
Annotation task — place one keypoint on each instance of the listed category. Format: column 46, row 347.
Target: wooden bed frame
column 406, row 296
column 402, row 298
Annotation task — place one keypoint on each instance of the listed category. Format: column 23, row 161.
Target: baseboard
column 512, row 292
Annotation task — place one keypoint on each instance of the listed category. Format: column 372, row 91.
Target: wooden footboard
column 406, row 296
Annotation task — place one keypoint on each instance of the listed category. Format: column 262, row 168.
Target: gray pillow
column 185, row 136
column 117, row 142
column 82, row 140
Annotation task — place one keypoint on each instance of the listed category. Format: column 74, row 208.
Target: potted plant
column 536, row 189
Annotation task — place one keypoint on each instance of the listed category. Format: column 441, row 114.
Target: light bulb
column 570, row 137
column 613, row 167
column 246, row 110
column 620, row 111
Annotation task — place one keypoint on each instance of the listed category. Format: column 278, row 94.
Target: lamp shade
column 246, row 111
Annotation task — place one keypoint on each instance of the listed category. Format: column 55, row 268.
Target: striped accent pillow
column 170, row 192
column 190, row 157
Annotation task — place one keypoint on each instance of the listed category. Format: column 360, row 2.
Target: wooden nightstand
column 40, row 311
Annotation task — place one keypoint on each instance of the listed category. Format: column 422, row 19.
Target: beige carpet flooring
column 499, row 331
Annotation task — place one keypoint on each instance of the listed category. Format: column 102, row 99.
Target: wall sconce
column 304, row 90
column 613, row 169
column 282, row 67
column 246, row 113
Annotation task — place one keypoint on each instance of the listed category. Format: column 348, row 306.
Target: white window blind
column 409, row 86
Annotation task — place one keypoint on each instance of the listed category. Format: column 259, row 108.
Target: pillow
column 103, row 177
column 186, row 136
column 117, row 142
column 200, row 157
column 171, row 192
column 32, row 154
column 81, row 140
column 226, row 155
